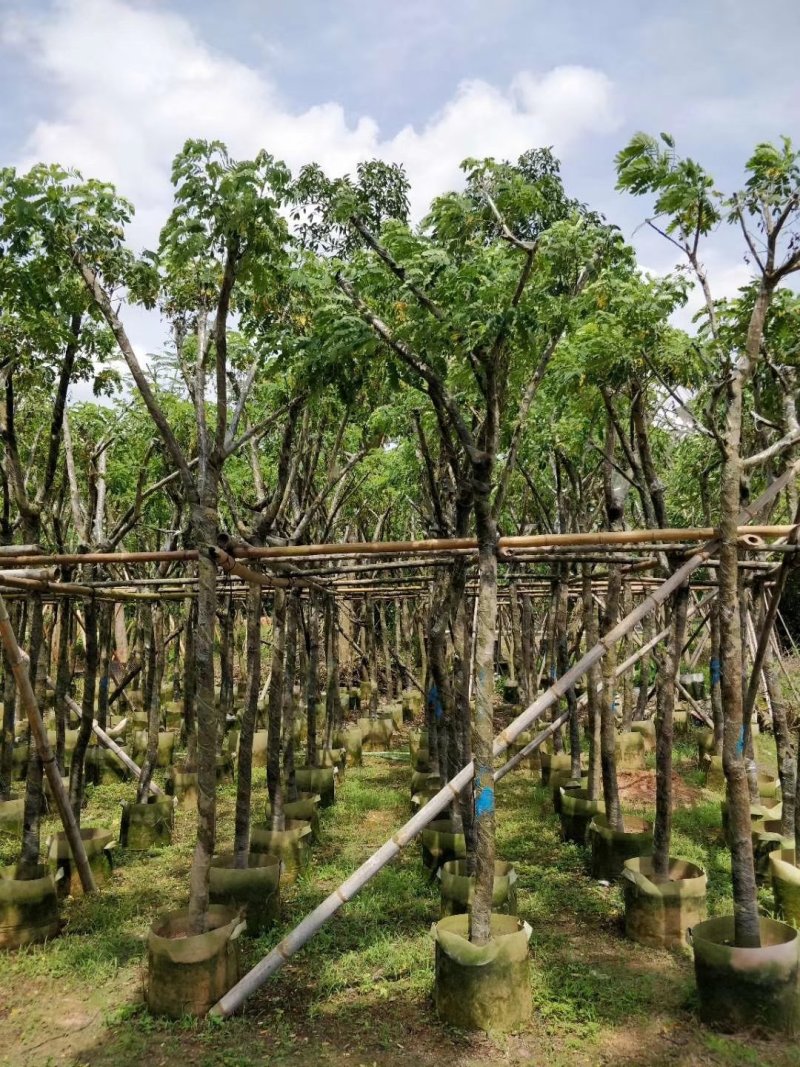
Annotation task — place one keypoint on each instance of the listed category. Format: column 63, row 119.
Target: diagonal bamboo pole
column 18, row 663
column 309, row 926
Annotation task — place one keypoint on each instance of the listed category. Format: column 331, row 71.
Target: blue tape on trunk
column 484, row 802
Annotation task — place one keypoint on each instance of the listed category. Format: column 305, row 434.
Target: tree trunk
column 104, row 640
column 32, row 814
column 76, row 773
column 783, row 744
column 290, row 664
column 716, row 680
column 204, row 529
column 154, row 641
column 190, row 683
column 62, row 680
column 592, row 635
column 333, row 705
column 274, row 785
column 644, row 671
column 244, row 767
column 668, row 658
column 483, row 726
column 312, row 683
column 745, row 908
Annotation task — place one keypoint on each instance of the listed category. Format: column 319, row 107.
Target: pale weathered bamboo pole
column 698, row 711
column 19, row 667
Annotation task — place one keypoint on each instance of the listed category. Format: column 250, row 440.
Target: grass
column 360, row 992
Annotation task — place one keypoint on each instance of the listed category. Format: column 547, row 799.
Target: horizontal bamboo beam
column 512, row 543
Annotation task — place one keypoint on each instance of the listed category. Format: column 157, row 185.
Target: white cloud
column 129, row 85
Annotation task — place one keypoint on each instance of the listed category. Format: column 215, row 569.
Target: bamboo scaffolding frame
column 309, row 926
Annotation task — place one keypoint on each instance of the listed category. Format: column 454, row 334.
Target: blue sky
column 115, row 86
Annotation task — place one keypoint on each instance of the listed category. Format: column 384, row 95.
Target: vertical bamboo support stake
column 28, row 698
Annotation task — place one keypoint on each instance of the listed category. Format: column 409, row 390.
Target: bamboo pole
column 309, row 926
column 696, row 709
column 19, row 668
column 513, row 543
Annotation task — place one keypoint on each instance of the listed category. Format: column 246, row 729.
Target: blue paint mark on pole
column 740, row 742
column 716, row 671
column 435, row 702
column 484, row 801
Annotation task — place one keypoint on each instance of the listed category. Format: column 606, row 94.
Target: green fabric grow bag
column 11, row 815
column 146, row 826
column 440, row 844
column 562, row 782
column 646, row 728
column 317, row 780
column 28, row 908
column 182, row 785
column 482, row 987
column 577, row 811
column 98, row 845
column 766, row 840
column 188, row 973
column 305, row 808
column 458, row 888
column 350, row 740
column 253, row 890
column 746, row 988
column 629, row 749
column 659, row 912
column 290, row 845
column 558, row 761
column 785, row 878
column 610, row 848
column 531, row 762
column 715, row 775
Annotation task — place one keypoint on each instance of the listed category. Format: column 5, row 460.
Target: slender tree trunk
column 592, row 636
column 32, row 813
column 745, row 908
column 190, row 684
column 105, row 637
column 9, row 708
column 483, row 723
column 274, row 785
column 628, row 705
column 62, row 681
column 333, row 705
column 644, row 671
column 77, row 768
column 226, row 665
column 716, row 680
column 783, row 744
column 155, row 656
column 244, row 767
column 668, row 658
column 290, row 665
column 312, row 683
column 204, row 529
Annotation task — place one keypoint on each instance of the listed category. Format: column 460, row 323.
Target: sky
column 114, row 87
